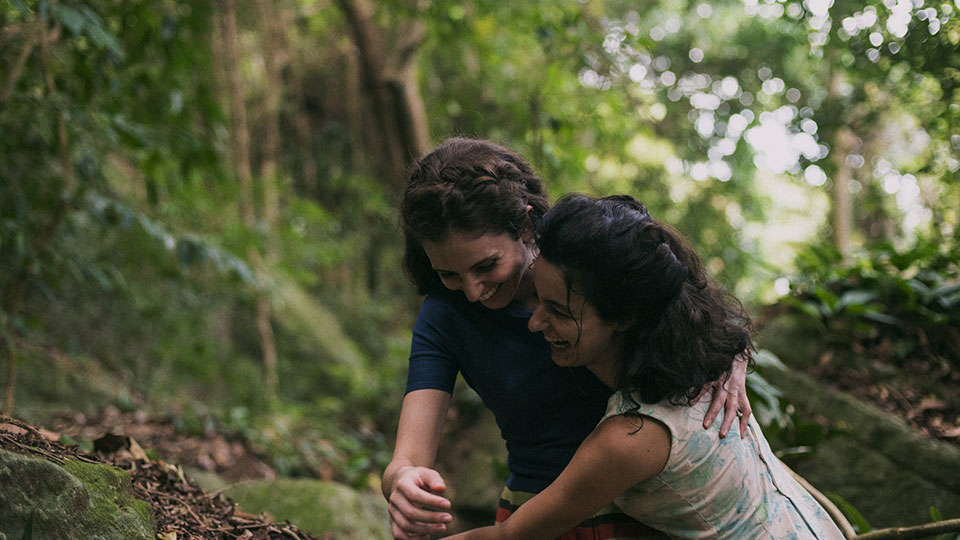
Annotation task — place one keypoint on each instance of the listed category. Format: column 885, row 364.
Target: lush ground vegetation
column 197, row 197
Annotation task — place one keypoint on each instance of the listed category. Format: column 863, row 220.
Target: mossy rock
column 877, row 463
column 75, row 500
column 795, row 339
column 318, row 507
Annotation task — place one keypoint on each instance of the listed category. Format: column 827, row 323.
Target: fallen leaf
column 951, row 433
column 137, row 451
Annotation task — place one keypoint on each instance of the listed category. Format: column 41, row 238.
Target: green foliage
column 904, row 300
column 765, row 397
column 935, row 516
column 792, row 434
column 859, row 523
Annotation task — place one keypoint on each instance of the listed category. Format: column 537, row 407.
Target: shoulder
column 439, row 306
column 438, row 298
column 638, row 444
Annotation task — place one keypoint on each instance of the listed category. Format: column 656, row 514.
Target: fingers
column 404, row 524
column 730, row 394
column 418, row 486
column 399, row 534
column 719, row 397
column 434, row 482
column 738, row 378
column 413, row 505
column 418, row 497
column 730, row 406
column 745, row 412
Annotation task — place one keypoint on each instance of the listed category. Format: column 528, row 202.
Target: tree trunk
column 239, row 134
column 842, row 141
column 303, row 127
column 32, row 36
column 396, row 111
column 272, row 45
column 353, row 92
column 392, row 89
column 841, row 209
column 241, row 157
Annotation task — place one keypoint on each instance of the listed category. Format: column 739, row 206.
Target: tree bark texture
column 33, row 34
column 272, row 46
column 240, row 136
column 303, row 126
column 241, row 154
column 841, row 218
column 842, row 140
column 390, row 80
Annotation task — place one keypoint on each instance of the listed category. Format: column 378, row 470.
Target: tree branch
column 919, row 531
column 409, row 42
column 33, row 34
column 62, row 138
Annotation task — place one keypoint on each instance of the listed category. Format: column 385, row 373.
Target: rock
column 888, row 472
column 473, row 461
column 317, row 506
column 879, row 465
column 75, row 500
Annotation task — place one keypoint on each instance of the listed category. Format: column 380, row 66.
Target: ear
column 527, row 234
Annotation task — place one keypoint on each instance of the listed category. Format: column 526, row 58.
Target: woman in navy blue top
column 468, row 213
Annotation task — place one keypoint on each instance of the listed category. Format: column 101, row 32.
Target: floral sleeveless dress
column 720, row 488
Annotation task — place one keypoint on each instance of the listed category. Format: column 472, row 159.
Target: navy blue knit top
column 544, row 411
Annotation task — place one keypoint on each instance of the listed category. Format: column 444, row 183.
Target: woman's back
column 720, row 487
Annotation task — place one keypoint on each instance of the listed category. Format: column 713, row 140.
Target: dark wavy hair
column 684, row 331
column 467, row 185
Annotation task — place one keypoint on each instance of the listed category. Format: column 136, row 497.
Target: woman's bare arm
column 409, row 483
column 612, row 459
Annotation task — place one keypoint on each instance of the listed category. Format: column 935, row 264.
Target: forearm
column 483, row 533
column 418, row 434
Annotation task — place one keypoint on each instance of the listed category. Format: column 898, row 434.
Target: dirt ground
column 183, row 511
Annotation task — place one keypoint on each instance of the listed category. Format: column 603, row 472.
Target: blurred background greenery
column 197, row 198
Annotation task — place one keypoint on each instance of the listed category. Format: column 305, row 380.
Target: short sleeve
column 431, row 364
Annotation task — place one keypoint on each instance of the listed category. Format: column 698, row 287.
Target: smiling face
column 578, row 336
column 490, row 268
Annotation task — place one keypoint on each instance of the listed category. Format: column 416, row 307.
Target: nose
column 537, row 322
column 472, row 288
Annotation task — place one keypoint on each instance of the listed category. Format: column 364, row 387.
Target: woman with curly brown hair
column 624, row 296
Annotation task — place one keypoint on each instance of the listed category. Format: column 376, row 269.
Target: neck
column 526, row 294
column 606, row 366
column 606, row 372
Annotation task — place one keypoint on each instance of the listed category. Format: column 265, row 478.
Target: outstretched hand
column 416, row 511
column 730, row 394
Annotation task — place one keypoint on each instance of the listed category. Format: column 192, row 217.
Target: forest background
column 198, row 198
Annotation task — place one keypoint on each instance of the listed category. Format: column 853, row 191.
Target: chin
column 494, row 303
column 563, row 361
column 498, row 300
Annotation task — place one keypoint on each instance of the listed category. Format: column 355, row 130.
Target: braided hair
column 469, row 186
